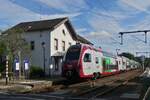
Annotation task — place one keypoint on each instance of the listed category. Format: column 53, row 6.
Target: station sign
column 17, row 64
column 26, row 64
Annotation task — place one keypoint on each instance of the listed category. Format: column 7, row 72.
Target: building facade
column 49, row 40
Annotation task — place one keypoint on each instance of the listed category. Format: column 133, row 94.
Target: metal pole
column 19, row 55
column 117, row 51
column 44, row 59
column 145, row 36
column 121, row 38
column 143, row 65
column 7, row 70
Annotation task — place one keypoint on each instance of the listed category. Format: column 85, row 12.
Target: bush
column 36, row 72
column 2, row 68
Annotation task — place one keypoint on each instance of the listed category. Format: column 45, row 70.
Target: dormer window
column 63, row 31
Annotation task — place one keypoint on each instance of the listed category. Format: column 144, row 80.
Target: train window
column 96, row 60
column 87, row 57
column 73, row 53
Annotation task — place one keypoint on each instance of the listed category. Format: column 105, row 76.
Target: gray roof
column 40, row 25
column 83, row 40
column 49, row 25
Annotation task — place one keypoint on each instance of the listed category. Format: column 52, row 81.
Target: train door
column 97, row 63
column 104, row 64
column 119, row 63
column 124, row 65
column 87, row 63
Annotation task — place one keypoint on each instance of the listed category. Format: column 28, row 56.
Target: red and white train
column 85, row 61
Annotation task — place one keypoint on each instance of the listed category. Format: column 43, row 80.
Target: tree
column 128, row 55
column 16, row 46
column 131, row 56
column 2, row 61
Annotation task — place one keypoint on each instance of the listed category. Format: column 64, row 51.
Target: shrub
column 2, row 68
column 36, row 72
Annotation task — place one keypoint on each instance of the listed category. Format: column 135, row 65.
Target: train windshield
column 73, row 53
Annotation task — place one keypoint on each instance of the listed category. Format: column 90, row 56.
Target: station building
column 49, row 40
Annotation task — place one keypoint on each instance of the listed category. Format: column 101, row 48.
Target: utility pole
column 7, row 77
column 131, row 32
column 143, row 60
column 143, row 57
column 117, row 51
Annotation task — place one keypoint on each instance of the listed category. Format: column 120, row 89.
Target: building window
column 70, row 44
column 63, row 31
column 56, row 44
column 63, row 45
column 32, row 45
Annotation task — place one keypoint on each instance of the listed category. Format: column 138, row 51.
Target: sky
column 99, row 21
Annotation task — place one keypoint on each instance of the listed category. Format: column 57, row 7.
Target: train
column 85, row 61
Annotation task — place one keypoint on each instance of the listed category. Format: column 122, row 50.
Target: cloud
column 100, row 34
column 70, row 15
column 101, row 37
column 142, row 25
column 66, row 5
column 99, row 23
column 13, row 14
column 118, row 15
column 137, row 4
column 81, row 30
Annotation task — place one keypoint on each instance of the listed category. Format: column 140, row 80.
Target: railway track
column 104, row 88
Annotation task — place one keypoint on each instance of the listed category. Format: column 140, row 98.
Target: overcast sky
column 100, row 21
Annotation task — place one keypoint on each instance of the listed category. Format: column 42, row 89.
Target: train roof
column 89, row 46
column 107, row 54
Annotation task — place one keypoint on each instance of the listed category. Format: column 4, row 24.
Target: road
column 46, row 96
column 5, row 96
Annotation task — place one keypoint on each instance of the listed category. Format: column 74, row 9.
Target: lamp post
column 43, row 46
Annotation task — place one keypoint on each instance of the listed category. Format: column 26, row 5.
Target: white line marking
column 130, row 95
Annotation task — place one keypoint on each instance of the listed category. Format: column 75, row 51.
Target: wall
column 58, row 34
column 37, row 54
column 48, row 37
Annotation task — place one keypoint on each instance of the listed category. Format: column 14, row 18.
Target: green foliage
column 13, row 44
column 36, row 72
column 2, row 48
column 2, row 68
column 131, row 56
column 128, row 55
column 147, row 62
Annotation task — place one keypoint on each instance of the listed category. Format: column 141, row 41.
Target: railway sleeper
column 111, row 89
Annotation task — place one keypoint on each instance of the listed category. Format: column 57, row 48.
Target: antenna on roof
column 40, row 11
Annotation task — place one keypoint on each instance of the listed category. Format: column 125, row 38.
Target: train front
column 71, row 66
